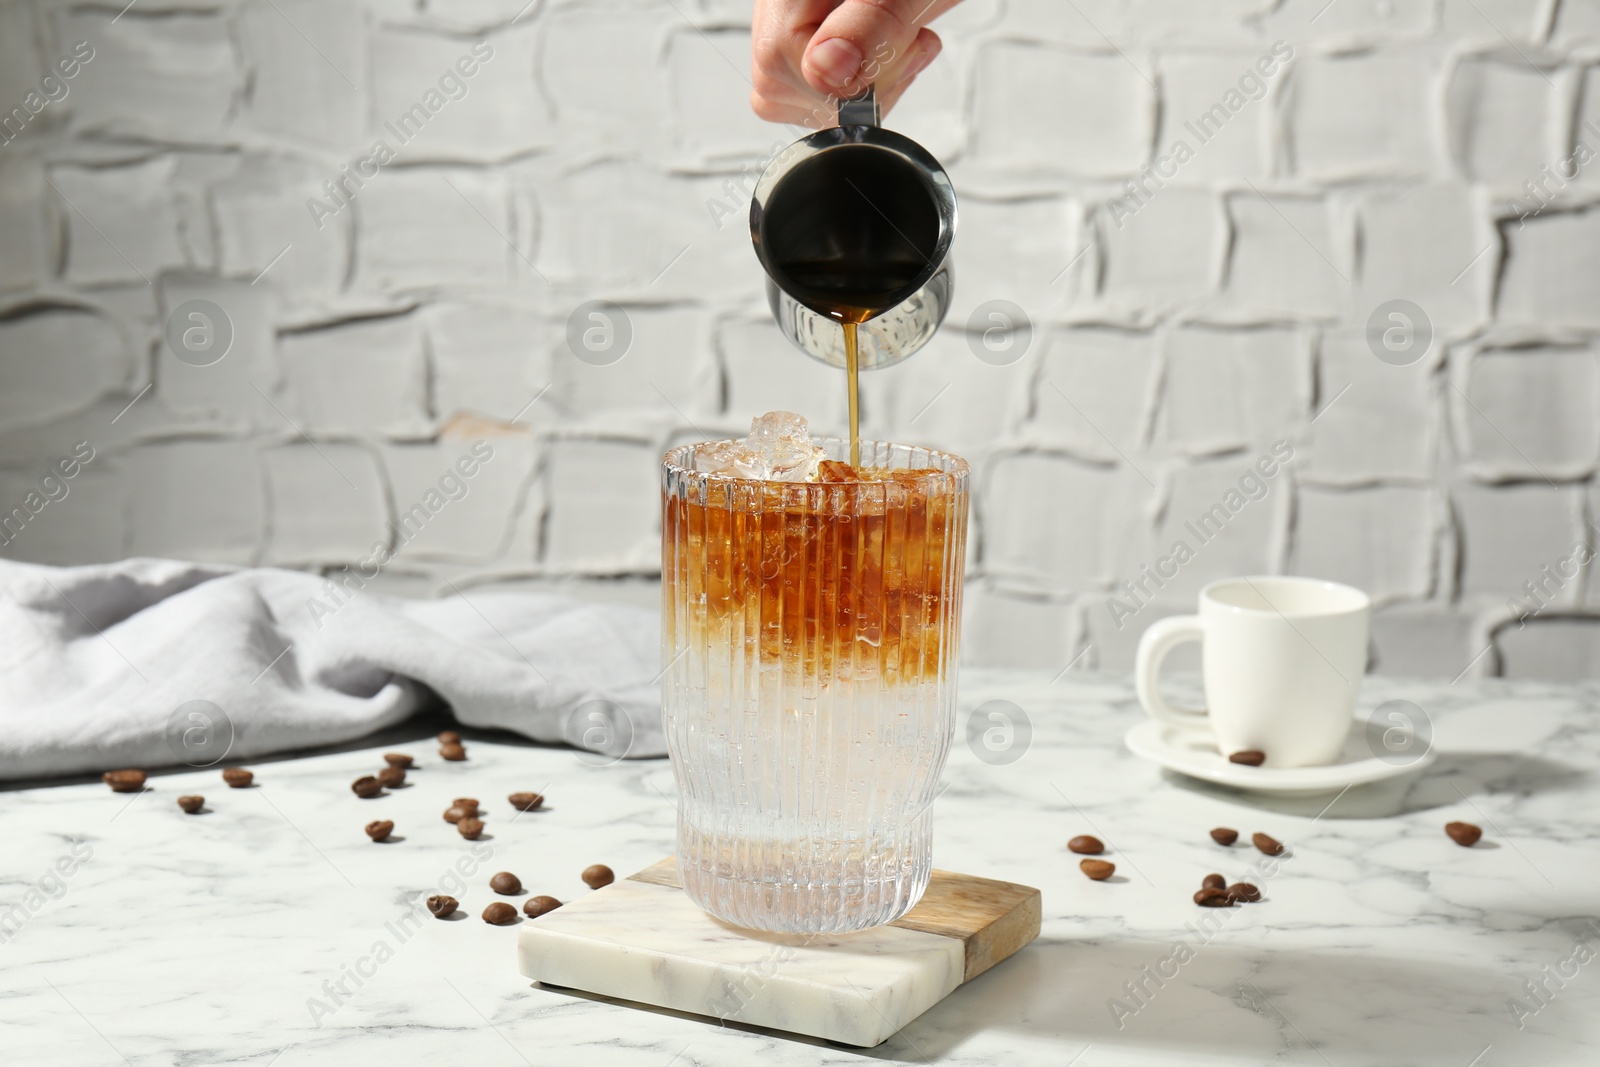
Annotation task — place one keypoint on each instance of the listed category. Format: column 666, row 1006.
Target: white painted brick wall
column 24, row 224
column 1502, row 116
column 1529, row 412
column 1045, row 516
column 364, row 378
column 968, row 402
column 260, row 210
column 1390, row 433
column 425, row 226
column 194, row 499
column 602, row 150
column 1378, row 539
column 1250, row 542
column 1097, row 122
column 1361, row 115
column 1546, row 281
column 21, row 65
column 1229, row 389
column 1428, row 240
column 1352, row 20
column 1487, row 20
column 760, row 374
column 1288, row 257
column 670, row 368
column 1094, row 391
column 326, row 503
column 604, row 505
column 443, row 511
column 122, row 222
column 87, row 360
column 315, row 100
column 500, row 112
column 1192, row 83
column 235, row 392
column 489, row 357
column 166, row 77
column 1509, row 532
column 1017, row 251
column 1165, row 257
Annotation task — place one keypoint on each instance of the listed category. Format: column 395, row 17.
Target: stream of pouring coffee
column 850, row 293
column 852, row 367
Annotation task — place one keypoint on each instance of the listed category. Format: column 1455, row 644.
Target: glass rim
column 954, row 465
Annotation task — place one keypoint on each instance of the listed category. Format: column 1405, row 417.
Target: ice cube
column 785, row 440
column 778, row 428
column 779, row 449
column 734, row 459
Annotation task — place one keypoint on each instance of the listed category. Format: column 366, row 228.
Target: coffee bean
column 1270, row 846
column 455, row 814
column 449, row 737
column 1463, row 833
column 1213, row 898
column 1085, row 845
column 506, row 884
column 380, row 829
column 192, row 804
column 366, row 787
column 500, row 914
column 393, row 777
column 1213, row 881
column 1243, row 893
column 398, row 759
column 129, row 781
column 1097, row 870
column 1250, row 757
column 598, row 876
column 442, row 906
column 470, row 828
column 1224, row 836
column 453, row 753
column 466, row 804
column 534, row 907
column 526, row 801
column 238, row 777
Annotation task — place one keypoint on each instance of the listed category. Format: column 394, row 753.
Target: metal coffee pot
column 856, row 222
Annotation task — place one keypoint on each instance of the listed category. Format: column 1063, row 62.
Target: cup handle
column 1160, row 639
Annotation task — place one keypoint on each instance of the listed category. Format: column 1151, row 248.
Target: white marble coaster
column 642, row 939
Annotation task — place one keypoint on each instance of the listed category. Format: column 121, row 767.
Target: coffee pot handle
column 861, row 109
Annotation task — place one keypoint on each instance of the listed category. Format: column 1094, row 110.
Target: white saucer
column 1195, row 753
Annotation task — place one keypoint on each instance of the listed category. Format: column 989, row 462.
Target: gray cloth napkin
column 151, row 663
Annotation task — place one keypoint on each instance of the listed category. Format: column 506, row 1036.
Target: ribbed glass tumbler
column 809, row 640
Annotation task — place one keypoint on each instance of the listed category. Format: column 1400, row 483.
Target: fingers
column 811, row 113
column 780, row 32
column 926, row 49
column 809, row 53
column 778, row 98
column 867, row 41
column 887, row 101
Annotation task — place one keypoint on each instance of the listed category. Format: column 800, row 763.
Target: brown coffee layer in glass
column 843, row 577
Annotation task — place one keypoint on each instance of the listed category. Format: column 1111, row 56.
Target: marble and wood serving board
column 642, row 939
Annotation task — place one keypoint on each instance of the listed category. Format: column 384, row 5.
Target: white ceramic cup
column 1281, row 658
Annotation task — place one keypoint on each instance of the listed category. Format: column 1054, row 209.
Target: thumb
column 865, row 42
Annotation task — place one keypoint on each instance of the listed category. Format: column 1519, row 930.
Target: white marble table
column 222, row 938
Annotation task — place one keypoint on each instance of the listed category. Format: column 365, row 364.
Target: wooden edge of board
column 662, row 872
column 992, row 919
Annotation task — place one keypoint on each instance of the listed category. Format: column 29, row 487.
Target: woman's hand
column 810, row 53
